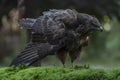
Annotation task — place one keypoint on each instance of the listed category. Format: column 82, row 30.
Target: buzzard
column 56, row 32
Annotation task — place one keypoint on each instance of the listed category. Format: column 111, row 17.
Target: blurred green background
column 103, row 50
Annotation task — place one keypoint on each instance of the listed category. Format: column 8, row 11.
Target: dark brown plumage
column 56, row 32
column 62, row 55
column 74, row 52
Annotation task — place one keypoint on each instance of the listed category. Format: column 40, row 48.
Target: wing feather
column 27, row 23
column 26, row 56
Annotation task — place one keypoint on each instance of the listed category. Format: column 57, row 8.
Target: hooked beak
column 99, row 28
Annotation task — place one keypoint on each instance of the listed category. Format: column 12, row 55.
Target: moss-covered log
column 57, row 73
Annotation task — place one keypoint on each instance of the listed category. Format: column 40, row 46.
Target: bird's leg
column 74, row 55
column 72, row 60
column 62, row 55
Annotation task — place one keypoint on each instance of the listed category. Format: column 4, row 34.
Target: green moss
column 57, row 73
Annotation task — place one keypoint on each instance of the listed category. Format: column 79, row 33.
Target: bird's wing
column 28, row 55
column 50, row 29
column 49, row 20
column 50, row 42
column 27, row 23
column 34, row 52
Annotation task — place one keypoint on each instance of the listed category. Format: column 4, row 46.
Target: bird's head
column 88, row 24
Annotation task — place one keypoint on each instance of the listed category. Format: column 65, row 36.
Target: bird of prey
column 56, row 32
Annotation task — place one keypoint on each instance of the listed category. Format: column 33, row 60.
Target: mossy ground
column 58, row 73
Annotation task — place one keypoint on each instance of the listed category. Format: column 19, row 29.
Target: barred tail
column 27, row 56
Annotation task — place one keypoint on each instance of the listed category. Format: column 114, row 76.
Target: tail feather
column 27, row 60
column 35, row 52
column 28, row 55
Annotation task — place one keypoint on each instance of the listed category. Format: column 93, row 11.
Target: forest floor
column 58, row 73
